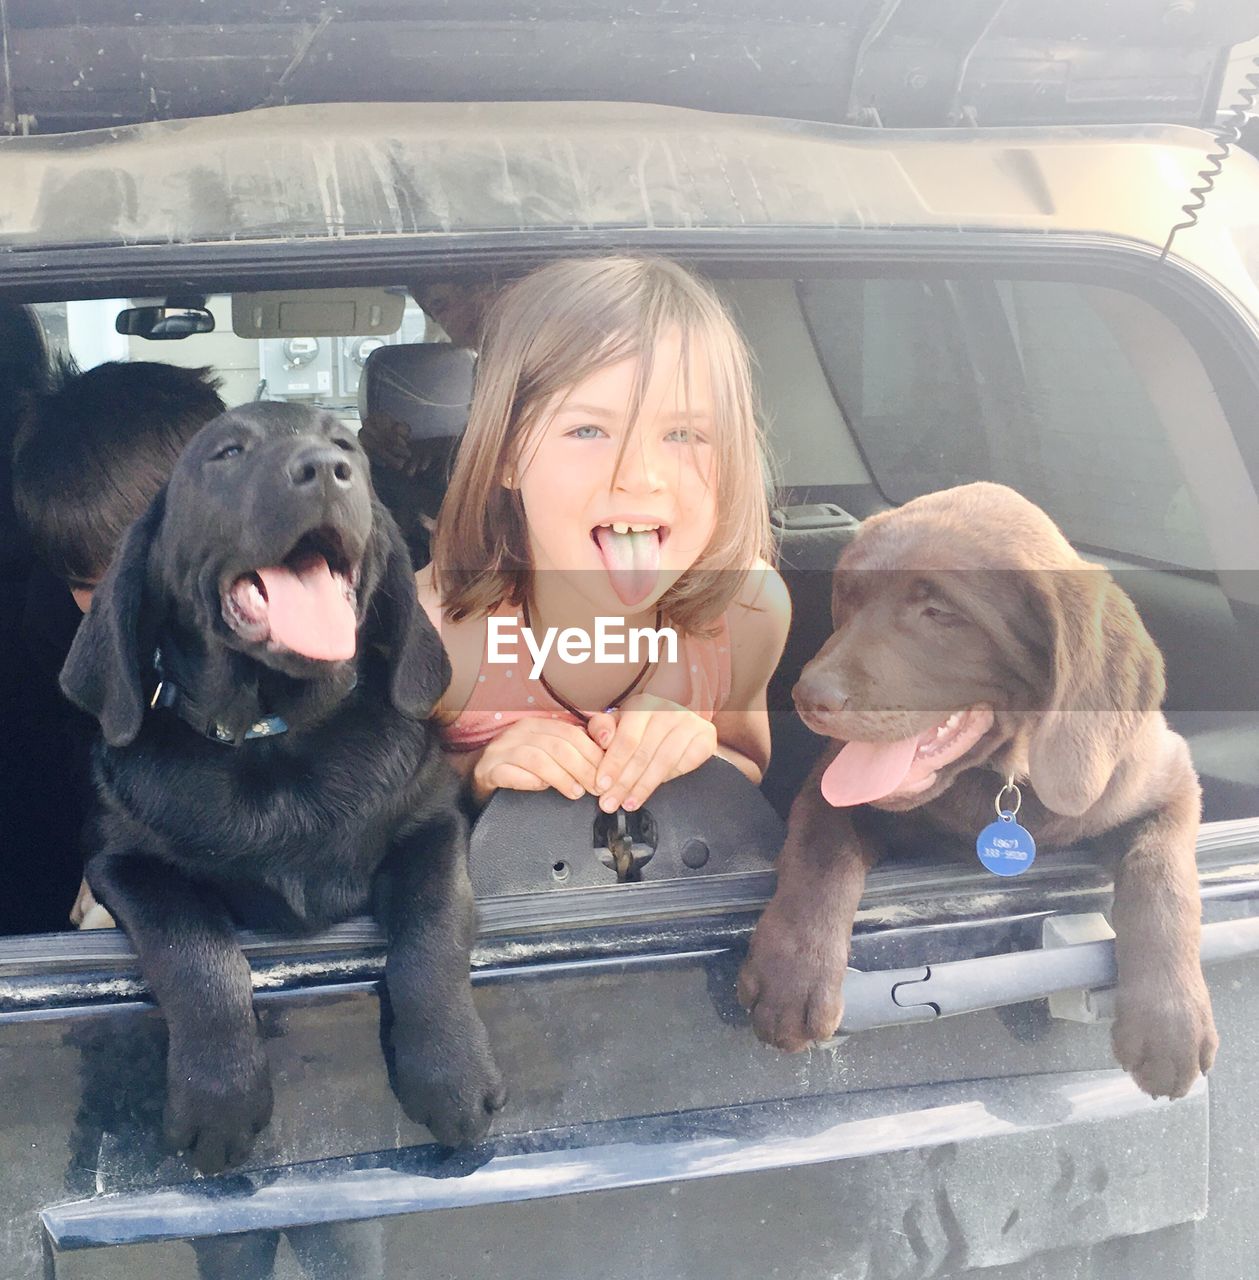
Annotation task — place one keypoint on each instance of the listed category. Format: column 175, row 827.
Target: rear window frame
column 1225, row 336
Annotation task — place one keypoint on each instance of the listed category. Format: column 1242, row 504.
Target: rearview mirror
column 166, row 321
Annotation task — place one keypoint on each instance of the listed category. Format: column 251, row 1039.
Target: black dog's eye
column 227, row 451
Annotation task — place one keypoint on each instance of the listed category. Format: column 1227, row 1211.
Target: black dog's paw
column 1164, row 1034
column 213, row 1116
column 453, row 1087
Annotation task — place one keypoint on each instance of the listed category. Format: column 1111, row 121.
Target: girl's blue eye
column 585, row 432
column 686, row 435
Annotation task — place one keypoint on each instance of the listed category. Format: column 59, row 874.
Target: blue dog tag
column 1005, row 848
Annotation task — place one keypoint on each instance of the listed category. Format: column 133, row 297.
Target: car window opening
column 874, row 390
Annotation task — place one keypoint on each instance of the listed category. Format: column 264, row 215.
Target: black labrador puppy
column 261, row 671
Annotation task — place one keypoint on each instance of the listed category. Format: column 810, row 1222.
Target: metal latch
column 625, row 842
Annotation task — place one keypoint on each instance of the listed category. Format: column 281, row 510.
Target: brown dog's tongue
column 308, row 610
column 867, row 771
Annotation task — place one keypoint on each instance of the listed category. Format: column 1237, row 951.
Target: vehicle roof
column 75, row 64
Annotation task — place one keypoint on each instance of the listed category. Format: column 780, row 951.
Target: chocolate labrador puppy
column 261, row 672
column 973, row 645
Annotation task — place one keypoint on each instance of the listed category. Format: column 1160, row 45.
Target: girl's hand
column 532, row 755
column 648, row 741
column 87, row 913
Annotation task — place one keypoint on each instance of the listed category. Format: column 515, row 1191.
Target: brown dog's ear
column 419, row 670
column 1106, row 678
column 103, row 673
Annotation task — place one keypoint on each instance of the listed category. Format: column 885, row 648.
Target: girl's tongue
column 632, row 560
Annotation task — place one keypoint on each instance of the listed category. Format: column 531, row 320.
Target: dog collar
column 170, row 697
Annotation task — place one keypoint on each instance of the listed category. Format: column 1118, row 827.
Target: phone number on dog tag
column 1005, row 848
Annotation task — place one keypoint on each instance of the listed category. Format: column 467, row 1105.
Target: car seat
column 426, row 388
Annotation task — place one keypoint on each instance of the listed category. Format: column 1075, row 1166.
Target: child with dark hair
column 90, row 453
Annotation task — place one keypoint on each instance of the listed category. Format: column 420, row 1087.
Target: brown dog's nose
column 320, row 463
column 818, row 696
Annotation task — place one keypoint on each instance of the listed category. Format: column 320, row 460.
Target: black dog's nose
column 320, row 463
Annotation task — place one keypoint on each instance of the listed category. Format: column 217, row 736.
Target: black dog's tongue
column 308, row 610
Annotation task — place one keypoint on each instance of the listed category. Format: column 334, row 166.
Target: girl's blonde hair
column 548, row 332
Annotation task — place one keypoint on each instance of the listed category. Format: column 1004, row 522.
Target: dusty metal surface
column 948, row 1175
column 375, row 170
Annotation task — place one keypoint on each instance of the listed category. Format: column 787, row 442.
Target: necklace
column 572, row 710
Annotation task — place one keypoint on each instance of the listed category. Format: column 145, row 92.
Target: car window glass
column 321, row 371
column 1027, row 383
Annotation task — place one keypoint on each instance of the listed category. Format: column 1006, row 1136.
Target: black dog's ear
column 103, row 673
column 419, row 670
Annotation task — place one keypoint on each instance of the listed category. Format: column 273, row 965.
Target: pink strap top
column 504, row 693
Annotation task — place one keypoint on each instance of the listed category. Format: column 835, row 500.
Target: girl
column 612, row 470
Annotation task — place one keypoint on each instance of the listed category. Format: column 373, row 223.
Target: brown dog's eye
column 943, row 616
column 227, row 451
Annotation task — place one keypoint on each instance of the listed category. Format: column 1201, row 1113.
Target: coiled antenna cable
column 1227, row 137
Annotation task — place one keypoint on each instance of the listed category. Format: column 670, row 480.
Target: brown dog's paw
column 791, row 985
column 1165, row 1036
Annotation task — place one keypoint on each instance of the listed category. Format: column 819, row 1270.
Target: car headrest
column 425, row 386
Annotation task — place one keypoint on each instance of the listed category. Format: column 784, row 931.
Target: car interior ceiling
column 826, row 483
